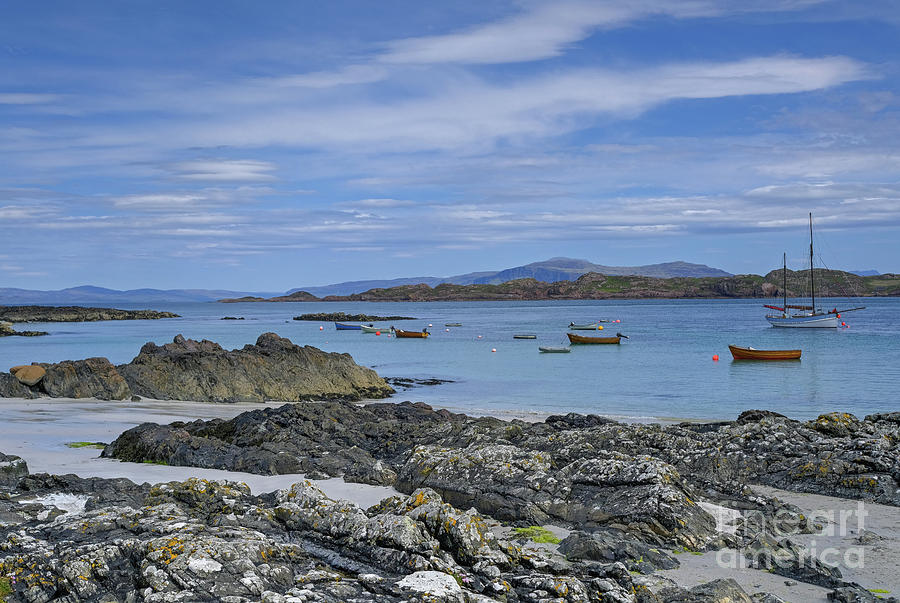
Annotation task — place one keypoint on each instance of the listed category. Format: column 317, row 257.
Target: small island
column 76, row 314
column 342, row 317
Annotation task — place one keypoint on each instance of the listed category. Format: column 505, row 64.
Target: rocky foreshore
column 272, row 369
column 626, row 499
column 76, row 314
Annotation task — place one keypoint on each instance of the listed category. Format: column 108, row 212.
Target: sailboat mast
column 812, row 281
column 784, row 282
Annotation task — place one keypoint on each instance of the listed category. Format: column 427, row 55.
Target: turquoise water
column 664, row 370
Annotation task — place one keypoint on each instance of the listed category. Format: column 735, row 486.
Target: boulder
column 89, row 378
column 272, row 369
column 12, row 468
column 28, row 374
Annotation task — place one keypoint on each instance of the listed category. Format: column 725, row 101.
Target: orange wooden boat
column 754, row 354
column 410, row 334
column 573, row 338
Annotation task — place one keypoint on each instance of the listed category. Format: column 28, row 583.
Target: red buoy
column 715, row 357
column 320, row 328
column 378, row 332
column 843, row 324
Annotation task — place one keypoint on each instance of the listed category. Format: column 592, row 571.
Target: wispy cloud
column 544, row 30
column 223, row 170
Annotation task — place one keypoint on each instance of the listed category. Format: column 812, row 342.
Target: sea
column 666, row 369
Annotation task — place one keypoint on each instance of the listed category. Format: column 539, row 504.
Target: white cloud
column 546, row 29
column 223, row 170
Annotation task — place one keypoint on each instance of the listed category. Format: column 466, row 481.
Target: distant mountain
column 548, row 271
column 94, row 295
column 864, row 272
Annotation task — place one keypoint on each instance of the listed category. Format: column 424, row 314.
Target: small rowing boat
column 524, row 336
column 410, row 334
column 740, row 353
column 452, row 324
column 585, row 327
column 340, row 326
column 573, row 338
column 370, row 329
column 554, row 350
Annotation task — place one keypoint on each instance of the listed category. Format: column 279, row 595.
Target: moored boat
column 804, row 316
column 524, row 336
column 410, row 334
column 573, row 338
column 452, row 324
column 740, row 353
column 546, row 349
column 370, row 329
column 341, row 326
column 594, row 326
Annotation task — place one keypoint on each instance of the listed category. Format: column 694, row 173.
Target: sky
column 267, row 146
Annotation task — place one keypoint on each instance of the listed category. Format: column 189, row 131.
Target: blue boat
column 340, row 326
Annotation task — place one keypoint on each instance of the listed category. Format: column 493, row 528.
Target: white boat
column 370, row 329
column 810, row 317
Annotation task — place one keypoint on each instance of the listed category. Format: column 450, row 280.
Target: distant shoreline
column 594, row 286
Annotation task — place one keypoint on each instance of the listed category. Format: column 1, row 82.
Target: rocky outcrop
column 7, row 330
column 89, row 378
column 64, row 538
column 76, row 314
column 272, row 369
column 584, row 472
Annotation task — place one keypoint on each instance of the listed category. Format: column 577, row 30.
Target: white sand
column 873, row 566
column 38, row 431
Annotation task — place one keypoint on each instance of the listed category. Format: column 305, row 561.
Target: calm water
column 665, row 369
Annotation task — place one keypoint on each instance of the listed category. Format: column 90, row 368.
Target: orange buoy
column 320, row 328
column 715, row 357
column 843, row 324
column 378, row 332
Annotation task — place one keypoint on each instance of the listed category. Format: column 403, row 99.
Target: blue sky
column 266, row 146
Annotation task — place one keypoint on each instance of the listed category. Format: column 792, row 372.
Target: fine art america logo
column 771, row 544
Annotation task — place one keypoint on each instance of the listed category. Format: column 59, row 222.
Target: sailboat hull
column 816, row 321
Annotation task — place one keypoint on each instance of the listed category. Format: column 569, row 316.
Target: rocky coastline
column 271, row 369
column 475, row 494
column 16, row 314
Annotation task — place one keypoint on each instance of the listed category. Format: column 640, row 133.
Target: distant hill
column 97, row 295
column 548, row 271
column 864, row 272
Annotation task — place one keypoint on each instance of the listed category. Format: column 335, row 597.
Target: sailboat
column 804, row 316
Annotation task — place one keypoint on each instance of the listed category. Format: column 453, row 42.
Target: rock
column 723, row 590
column 89, row 378
column 273, row 369
column 836, row 424
column 29, row 374
column 608, row 546
column 10, row 387
column 12, row 468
